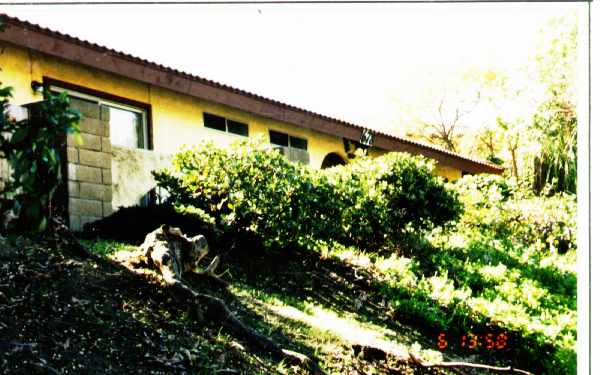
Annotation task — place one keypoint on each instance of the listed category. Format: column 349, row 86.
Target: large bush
column 388, row 196
column 494, row 206
column 250, row 190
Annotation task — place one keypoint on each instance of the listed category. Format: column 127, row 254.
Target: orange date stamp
column 474, row 341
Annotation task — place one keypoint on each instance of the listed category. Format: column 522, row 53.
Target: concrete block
column 72, row 155
column 107, row 208
column 77, row 172
column 107, row 177
column 95, row 158
column 85, row 207
column 85, row 141
column 106, row 128
column 91, row 126
column 95, row 191
column 106, row 146
column 91, row 142
column 71, row 140
column 86, row 108
column 75, row 223
column 104, row 113
column 73, row 189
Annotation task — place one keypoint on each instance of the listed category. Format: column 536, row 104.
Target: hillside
column 66, row 314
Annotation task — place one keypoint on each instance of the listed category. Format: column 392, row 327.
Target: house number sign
column 366, row 137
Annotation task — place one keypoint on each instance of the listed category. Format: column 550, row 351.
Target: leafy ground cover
column 507, row 266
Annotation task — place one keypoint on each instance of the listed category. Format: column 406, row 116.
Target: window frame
column 289, row 146
column 105, row 98
column 227, row 120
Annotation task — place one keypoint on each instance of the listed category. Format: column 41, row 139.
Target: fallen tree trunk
column 206, row 307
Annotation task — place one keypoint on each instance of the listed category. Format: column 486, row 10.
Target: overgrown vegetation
column 393, row 245
column 504, row 267
column 32, row 149
column 509, row 265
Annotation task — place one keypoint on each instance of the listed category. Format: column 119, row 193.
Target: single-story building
column 136, row 113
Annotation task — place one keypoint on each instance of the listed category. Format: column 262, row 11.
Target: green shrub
column 389, row 196
column 253, row 192
column 249, row 190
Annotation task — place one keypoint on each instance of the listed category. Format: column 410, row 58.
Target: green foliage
column 497, row 272
column 250, row 191
column 509, row 265
column 32, row 149
column 106, row 247
column 555, row 122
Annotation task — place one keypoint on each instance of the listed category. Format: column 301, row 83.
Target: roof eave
column 25, row 34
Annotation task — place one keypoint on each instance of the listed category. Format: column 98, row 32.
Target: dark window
column 294, row 148
column 238, row 128
column 277, row 138
column 298, row 143
column 225, row 125
column 214, row 122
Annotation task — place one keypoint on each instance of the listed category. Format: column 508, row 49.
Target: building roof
column 70, row 48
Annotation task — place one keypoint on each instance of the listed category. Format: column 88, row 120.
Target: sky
column 363, row 63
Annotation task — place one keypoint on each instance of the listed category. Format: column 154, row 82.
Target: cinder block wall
column 89, row 166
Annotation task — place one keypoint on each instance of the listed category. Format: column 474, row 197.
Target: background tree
column 447, row 129
column 489, row 143
column 514, row 139
column 535, row 131
column 445, row 111
column 555, row 165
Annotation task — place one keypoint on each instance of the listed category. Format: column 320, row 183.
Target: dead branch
column 453, row 365
column 445, row 129
column 213, row 309
column 371, row 353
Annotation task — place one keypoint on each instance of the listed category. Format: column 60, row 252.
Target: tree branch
column 419, row 361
